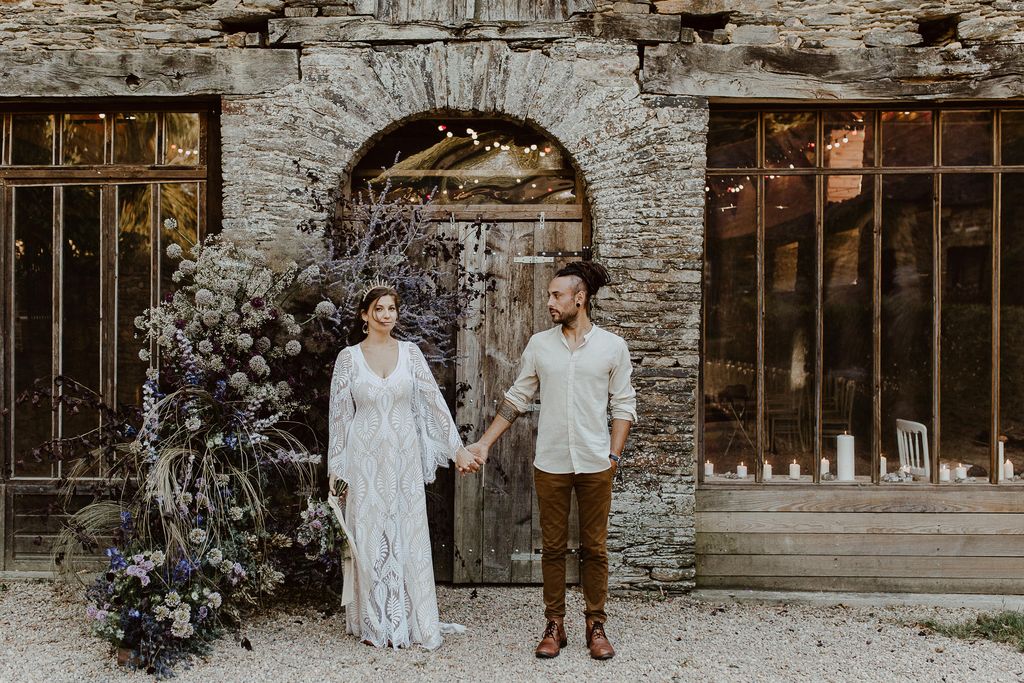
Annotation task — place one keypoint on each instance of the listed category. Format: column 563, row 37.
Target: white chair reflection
column 912, row 439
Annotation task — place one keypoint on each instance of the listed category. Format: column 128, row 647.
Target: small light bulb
column 449, row 133
column 533, row 147
column 442, row 128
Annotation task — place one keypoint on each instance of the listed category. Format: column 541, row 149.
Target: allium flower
column 232, row 319
column 325, row 309
column 225, row 566
column 239, row 381
column 197, row 536
column 182, row 630
column 258, row 364
column 214, row 600
column 144, row 355
column 293, row 347
column 187, row 267
column 244, row 341
column 182, row 613
column 193, row 423
column 171, row 223
column 161, row 612
column 205, row 298
column 172, row 599
column 284, row 389
column 228, row 286
column 211, row 318
column 216, row 363
column 309, row 275
column 204, row 612
column 174, row 250
column 185, row 498
column 140, row 322
column 235, row 513
column 157, row 557
column 215, row 557
column 263, row 344
column 206, row 346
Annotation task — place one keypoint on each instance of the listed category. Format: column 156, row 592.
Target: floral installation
column 210, row 497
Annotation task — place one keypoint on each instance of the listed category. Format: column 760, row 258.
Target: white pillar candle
column 881, row 465
column 741, row 471
column 1001, row 450
column 824, row 466
column 709, row 468
column 943, row 473
column 767, row 471
column 960, row 472
column 794, row 470
column 844, row 457
column 1007, row 469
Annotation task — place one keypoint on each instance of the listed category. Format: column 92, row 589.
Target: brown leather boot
column 552, row 641
column 598, row 643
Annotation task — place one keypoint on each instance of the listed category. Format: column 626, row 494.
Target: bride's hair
column 356, row 334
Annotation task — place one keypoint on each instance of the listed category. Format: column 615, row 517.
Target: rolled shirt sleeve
column 621, row 395
column 527, row 382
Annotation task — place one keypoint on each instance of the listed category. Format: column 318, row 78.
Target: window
column 862, row 322
column 84, row 195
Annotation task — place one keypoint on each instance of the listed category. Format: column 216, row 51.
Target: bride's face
column 382, row 314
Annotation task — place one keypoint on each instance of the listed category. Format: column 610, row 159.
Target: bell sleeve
column 438, row 435
column 342, row 411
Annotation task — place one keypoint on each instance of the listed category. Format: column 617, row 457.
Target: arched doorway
column 512, row 195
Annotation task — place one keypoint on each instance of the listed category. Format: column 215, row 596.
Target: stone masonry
column 306, row 86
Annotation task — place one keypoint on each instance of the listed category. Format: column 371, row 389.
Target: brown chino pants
column 594, row 498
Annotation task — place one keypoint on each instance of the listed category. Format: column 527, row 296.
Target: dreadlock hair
column 592, row 277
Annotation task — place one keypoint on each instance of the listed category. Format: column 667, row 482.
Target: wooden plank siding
column 927, row 539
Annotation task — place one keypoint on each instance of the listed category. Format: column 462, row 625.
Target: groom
column 581, row 371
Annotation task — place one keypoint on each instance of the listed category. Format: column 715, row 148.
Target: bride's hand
column 465, row 462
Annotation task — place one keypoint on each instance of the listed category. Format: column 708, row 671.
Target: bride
column 390, row 429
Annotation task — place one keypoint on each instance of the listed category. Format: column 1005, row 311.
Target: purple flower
column 317, row 524
column 256, row 302
column 102, row 614
column 91, row 611
column 203, row 612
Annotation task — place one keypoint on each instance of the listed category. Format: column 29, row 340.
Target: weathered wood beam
column 146, row 72
column 644, row 28
column 757, row 72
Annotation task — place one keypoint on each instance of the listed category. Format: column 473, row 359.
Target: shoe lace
column 551, row 631
column 597, row 631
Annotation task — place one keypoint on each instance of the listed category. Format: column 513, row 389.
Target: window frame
column 875, row 171
column 106, row 177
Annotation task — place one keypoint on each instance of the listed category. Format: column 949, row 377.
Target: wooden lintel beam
column 125, row 73
column 758, row 72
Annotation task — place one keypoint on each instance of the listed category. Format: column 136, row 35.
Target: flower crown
column 375, row 283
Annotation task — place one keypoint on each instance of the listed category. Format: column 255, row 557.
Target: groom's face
column 562, row 299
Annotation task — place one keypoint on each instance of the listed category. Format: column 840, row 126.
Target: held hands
column 471, row 458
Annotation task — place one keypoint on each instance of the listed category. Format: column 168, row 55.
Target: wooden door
column 497, row 534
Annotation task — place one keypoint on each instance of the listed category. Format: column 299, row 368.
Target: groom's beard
column 564, row 317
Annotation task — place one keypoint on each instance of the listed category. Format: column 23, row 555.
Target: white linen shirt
column 577, row 389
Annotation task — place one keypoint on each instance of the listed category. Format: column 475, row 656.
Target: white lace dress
column 387, row 438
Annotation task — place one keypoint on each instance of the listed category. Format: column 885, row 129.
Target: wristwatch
column 614, row 458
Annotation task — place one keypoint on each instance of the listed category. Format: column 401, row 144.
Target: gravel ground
column 43, row 638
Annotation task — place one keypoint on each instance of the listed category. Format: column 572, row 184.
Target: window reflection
column 181, row 139
column 732, row 140
column 730, row 351
column 907, row 138
column 472, row 161
column 790, row 140
column 180, row 202
column 789, row 335
column 33, row 321
column 133, row 286
column 32, row 139
column 849, row 140
column 907, row 309
column 135, row 138
column 847, row 357
column 83, row 139
column 971, row 127
column 967, row 321
column 1011, row 322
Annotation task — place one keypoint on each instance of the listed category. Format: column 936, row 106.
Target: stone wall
column 642, row 159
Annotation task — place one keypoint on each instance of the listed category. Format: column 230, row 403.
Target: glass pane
column 789, row 139
column 472, row 161
column 181, row 139
column 83, row 139
column 849, row 139
column 732, row 140
column 180, row 202
column 907, row 315
column 32, row 139
column 1011, row 321
column 966, row 138
column 907, row 138
column 133, row 286
column 730, row 305
column 1013, row 137
column 846, row 400
column 967, row 321
column 33, row 321
column 80, row 307
column 135, row 139
column 790, row 285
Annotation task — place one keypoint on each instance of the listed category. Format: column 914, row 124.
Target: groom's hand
column 479, row 452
